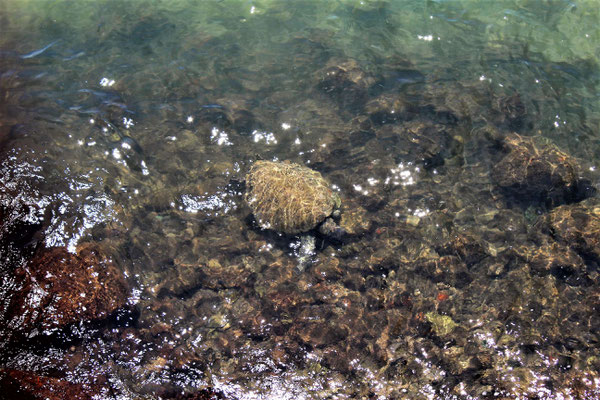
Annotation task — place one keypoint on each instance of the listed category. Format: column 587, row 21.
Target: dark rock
column 430, row 143
column 345, row 82
column 578, row 226
column 535, row 173
column 552, row 258
column 468, row 249
column 388, row 108
column 512, row 113
column 57, row 288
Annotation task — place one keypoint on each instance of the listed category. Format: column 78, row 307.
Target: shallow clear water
column 127, row 129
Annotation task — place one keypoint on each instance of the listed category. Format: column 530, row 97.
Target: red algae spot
column 442, row 296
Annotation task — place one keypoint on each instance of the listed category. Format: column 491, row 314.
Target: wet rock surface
column 439, row 288
column 56, row 288
column 27, row 385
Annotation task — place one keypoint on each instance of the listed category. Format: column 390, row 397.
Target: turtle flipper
column 306, row 251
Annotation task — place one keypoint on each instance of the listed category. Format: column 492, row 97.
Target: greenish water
column 129, row 127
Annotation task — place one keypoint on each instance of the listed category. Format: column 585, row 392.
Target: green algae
column 442, row 325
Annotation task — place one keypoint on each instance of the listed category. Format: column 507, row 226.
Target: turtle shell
column 288, row 197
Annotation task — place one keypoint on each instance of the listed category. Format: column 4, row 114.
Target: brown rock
column 16, row 384
column 388, row 108
column 511, row 111
column 577, row 225
column 346, row 82
column 552, row 258
column 535, row 172
column 57, row 288
column 355, row 221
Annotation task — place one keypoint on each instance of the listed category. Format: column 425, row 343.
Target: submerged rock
column 553, row 258
column 240, row 116
column 535, row 173
column 433, row 144
column 442, row 325
column 577, row 225
column 57, row 288
column 346, row 82
column 288, row 197
column 511, row 111
column 17, row 384
column 355, row 221
column 388, row 108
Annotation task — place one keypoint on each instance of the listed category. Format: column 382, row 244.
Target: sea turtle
column 292, row 199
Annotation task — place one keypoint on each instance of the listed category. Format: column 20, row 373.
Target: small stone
column 442, row 324
column 355, row 221
column 413, row 220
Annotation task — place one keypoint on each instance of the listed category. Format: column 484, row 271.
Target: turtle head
column 337, row 205
column 331, row 229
